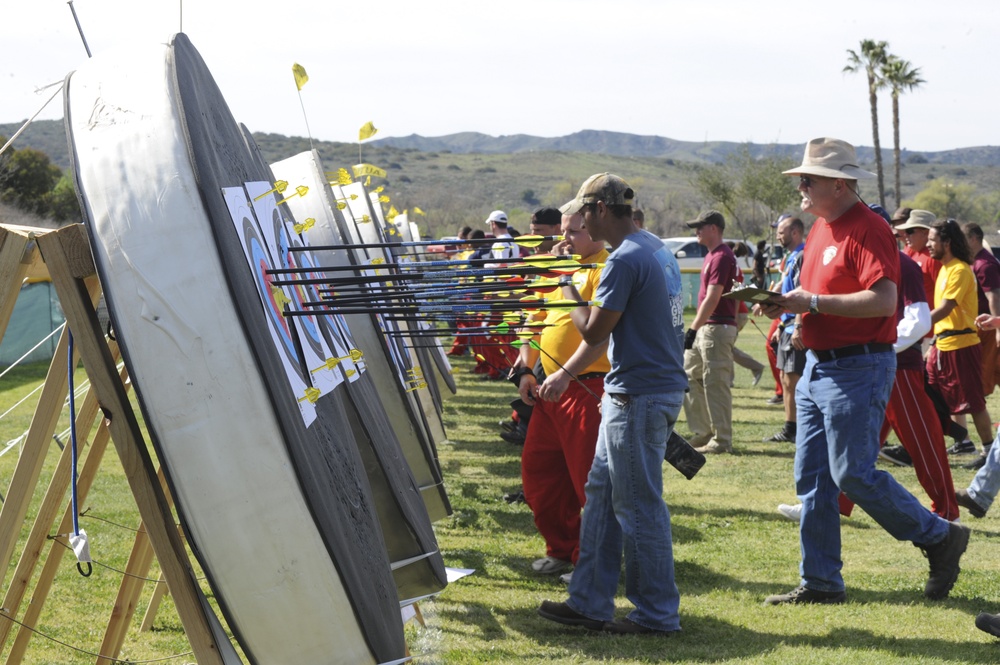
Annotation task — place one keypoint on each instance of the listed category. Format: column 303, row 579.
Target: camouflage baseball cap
column 605, row 187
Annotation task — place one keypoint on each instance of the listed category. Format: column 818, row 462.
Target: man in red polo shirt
column 847, row 300
column 914, row 226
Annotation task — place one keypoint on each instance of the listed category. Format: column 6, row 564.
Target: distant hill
column 49, row 137
column 458, row 179
column 633, row 145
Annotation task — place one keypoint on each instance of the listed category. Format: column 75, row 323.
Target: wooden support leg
column 62, row 251
column 132, row 584
column 50, row 507
column 154, row 605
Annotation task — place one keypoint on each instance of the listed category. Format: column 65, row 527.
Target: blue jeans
column 986, row 483
column 625, row 510
column 841, row 405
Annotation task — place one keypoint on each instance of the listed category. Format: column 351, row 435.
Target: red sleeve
column 876, row 256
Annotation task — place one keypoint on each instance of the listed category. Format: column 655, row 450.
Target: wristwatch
column 814, row 304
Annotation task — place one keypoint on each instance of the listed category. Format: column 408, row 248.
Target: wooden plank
column 48, row 511
column 14, row 247
column 36, row 445
column 61, row 251
column 56, row 550
column 139, row 562
column 154, row 605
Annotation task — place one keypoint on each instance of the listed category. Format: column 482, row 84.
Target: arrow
column 522, row 241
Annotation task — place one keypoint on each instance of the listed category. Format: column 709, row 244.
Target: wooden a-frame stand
column 70, row 265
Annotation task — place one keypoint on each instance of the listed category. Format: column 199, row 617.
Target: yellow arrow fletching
column 312, row 394
column 528, row 241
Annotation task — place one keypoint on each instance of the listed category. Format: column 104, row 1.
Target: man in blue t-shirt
column 639, row 297
column 791, row 350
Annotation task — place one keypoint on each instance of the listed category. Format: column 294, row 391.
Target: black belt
column 852, row 350
column 591, row 375
column 952, row 333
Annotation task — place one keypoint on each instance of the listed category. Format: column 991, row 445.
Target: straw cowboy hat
column 830, row 158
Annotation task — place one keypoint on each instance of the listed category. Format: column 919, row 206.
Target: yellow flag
column 392, row 213
column 299, row 72
column 418, row 211
column 367, row 131
column 343, row 177
column 367, row 169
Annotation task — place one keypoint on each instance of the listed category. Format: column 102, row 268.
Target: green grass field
column 731, row 549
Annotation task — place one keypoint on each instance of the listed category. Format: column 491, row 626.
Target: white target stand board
column 267, row 477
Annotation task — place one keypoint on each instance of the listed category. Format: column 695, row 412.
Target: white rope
column 46, row 338
column 30, row 120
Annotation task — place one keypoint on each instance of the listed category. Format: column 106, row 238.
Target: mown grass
column 731, row 549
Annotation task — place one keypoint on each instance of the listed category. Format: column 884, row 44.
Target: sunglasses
column 910, row 232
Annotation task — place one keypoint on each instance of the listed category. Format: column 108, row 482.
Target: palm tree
column 899, row 76
column 871, row 59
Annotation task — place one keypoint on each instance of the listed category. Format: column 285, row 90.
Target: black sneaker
column 895, row 455
column 514, row 497
column 962, row 448
column 963, row 499
column 976, row 464
column 784, row 436
column 988, row 623
column 943, row 558
column 775, row 399
column 564, row 614
column 801, row 595
column 516, row 437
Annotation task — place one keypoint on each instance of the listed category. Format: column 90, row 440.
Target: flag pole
column 79, row 29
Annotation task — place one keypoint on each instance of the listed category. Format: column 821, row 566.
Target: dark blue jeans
column 840, row 406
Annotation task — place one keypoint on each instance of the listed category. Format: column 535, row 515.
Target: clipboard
column 751, row 294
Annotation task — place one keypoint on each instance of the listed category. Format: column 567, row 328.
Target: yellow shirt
column 561, row 338
column 956, row 282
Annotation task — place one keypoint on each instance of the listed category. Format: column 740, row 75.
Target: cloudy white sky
column 693, row 70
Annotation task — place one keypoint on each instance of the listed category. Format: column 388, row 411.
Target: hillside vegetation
column 459, row 179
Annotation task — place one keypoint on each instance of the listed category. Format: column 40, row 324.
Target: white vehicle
column 690, row 254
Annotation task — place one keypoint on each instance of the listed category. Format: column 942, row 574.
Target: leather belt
column 853, row 350
column 591, row 375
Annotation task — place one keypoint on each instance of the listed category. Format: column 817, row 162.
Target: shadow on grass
column 703, row 638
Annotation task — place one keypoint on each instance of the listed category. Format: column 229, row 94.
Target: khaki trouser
column 708, row 406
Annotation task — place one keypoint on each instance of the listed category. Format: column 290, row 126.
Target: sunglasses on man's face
column 910, row 232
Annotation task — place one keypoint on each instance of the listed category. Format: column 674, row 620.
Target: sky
column 692, row 70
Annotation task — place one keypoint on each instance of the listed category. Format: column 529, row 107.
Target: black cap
column 708, row 217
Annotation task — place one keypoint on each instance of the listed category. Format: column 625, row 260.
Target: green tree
column 946, row 199
column 745, row 185
column 62, row 201
column 29, row 178
column 899, row 76
column 870, row 59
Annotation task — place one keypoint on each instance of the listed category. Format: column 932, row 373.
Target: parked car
column 690, row 254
